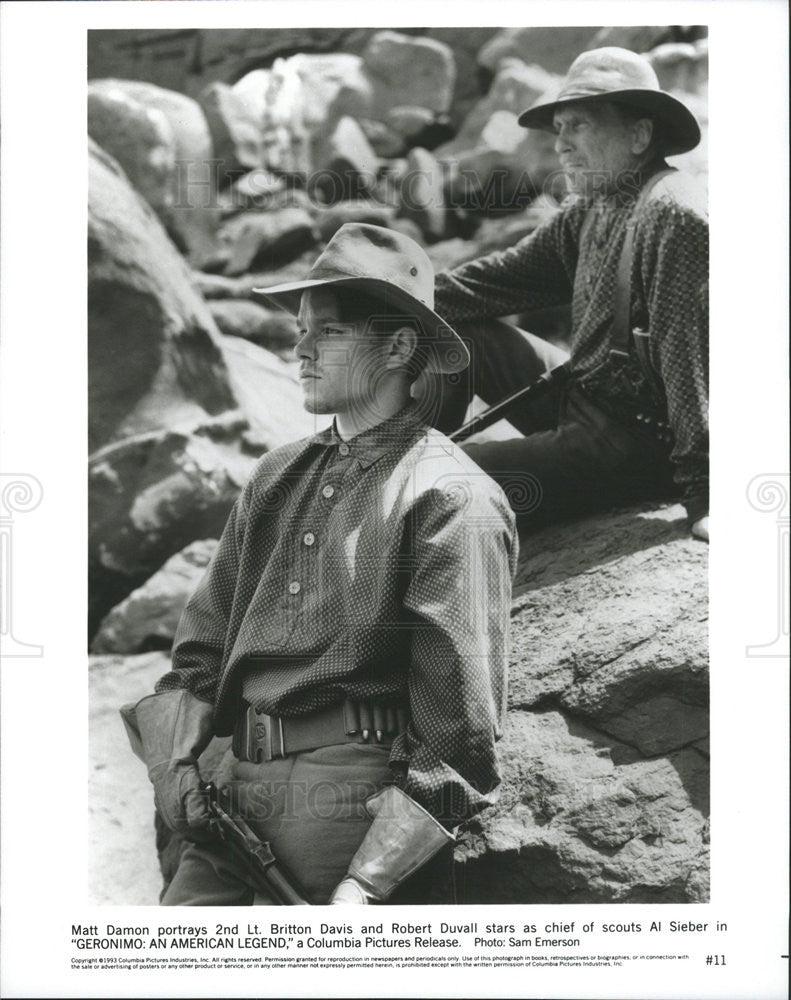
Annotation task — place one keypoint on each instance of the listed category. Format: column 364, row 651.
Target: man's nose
column 305, row 347
column 562, row 141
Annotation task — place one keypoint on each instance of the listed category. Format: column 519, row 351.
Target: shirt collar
column 369, row 446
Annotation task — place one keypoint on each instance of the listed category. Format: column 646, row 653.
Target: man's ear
column 642, row 134
column 403, row 343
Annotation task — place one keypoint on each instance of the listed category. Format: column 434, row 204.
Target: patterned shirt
column 375, row 568
column 561, row 263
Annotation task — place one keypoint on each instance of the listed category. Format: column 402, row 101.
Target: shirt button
column 294, row 588
column 328, row 491
column 343, row 448
column 308, row 538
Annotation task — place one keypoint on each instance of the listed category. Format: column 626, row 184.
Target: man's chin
column 313, row 405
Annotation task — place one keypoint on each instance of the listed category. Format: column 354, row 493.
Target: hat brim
column 449, row 354
column 682, row 132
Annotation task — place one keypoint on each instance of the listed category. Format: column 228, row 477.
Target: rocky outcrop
column 235, row 131
column 154, row 357
column 605, row 751
column 148, row 617
column 191, row 215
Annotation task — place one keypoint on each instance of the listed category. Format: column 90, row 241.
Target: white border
column 43, row 433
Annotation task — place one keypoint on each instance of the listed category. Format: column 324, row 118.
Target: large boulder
column 553, row 48
column 153, row 494
column 235, row 132
column 140, row 139
column 405, row 70
column 422, row 194
column 346, row 165
column 307, row 94
column 274, row 330
column 192, row 217
column 154, row 357
column 515, row 88
column 265, row 239
column 606, row 751
column 507, row 168
column 148, row 617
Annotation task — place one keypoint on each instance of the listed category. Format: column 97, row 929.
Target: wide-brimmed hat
column 392, row 268
column 614, row 74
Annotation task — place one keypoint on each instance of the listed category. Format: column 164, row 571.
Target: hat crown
column 361, row 250
column 606, row 70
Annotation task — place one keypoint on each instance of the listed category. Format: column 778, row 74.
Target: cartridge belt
column 261, row 737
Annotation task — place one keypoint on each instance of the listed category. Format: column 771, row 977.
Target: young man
column 602, row 439
column 351, row 631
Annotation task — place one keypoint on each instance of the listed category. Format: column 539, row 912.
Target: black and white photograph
column 386, row 226
column 384, row 576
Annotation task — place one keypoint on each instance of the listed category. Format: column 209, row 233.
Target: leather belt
column 260, row 737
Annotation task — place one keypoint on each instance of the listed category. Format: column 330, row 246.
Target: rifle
column 251, row 853
column 500, row 410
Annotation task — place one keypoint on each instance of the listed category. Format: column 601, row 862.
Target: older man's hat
column 390, row 267
column 614, row 74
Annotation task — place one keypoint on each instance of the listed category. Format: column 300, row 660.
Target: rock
column 681, row 66
column 251, row 90
column 140, row 139
column 153, row 494
column 574, row 826
column 236, row 134
column 268, row 392
column 276, row 331
column 420, row 126
column 259, row 189
column 422, row 195
column 638, row 39
column 406, row 70
column 330, row 219
column 307, row 95
column 606, row 794
column 465, row 42
column 154, row 358
column 552, row 48
column 515, row 88
column 122, row 860
column 257, row 238
column 148, row 617
column 193, row 217
column 213, row 286
column 384, row 141
column 508, row 168
column 346, row 166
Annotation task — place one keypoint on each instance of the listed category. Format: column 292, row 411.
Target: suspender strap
column 622, row 326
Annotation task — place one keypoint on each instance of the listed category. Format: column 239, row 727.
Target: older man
column 601, row 437
column 351, row 629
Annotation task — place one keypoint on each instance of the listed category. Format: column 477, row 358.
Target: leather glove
column 402, row 838
column 174, row 728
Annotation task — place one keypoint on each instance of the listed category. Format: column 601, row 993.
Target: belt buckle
column 264, row 736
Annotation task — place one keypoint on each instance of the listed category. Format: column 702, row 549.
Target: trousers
column 310, row 807
column 570, row 458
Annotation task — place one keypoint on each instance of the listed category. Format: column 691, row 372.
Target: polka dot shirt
column 561, row 263
column 377, row 568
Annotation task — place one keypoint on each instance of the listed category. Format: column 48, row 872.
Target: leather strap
column 260, row 737
column 622, row 306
